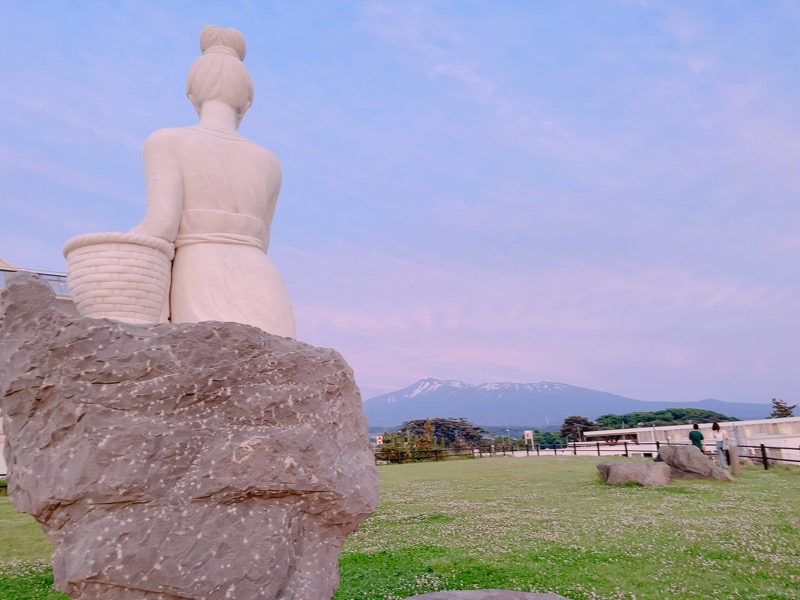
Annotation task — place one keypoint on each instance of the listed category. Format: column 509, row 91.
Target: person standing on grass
column 695, row 437
column 721, row 441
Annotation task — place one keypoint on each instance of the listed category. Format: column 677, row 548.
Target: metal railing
column 57, row 281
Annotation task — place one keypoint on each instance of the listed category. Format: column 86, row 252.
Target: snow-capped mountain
column 534, row 404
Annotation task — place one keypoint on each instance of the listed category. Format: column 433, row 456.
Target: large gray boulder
column 486, row 595
column 656, row 474
column 193, row 461
column 688, row 461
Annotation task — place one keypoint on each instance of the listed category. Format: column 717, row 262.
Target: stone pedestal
column 195, row 461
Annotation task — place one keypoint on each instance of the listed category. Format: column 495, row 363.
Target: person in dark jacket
column 696, row 437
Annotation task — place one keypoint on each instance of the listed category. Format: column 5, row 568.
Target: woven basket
column 121, row 276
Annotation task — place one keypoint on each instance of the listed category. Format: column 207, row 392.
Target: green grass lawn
column 25, row 572
column 543, row 524
column 548, row 524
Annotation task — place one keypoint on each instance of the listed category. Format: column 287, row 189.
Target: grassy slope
column 538, row 524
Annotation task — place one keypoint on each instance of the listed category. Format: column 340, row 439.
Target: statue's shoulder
column 262, row 155
column 169, row 135
column 166, row 141
column 267, row 155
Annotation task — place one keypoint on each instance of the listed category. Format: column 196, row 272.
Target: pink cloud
column 564, row 322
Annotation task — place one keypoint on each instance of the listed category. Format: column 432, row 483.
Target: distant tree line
column 668, row 416
column 429, row 434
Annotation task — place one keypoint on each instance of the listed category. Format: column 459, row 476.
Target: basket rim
column 113, row 237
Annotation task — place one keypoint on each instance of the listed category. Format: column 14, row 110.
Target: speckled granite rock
column 207, row 460
column 686, row 460
column 486, row 595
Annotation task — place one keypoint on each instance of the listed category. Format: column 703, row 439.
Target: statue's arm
column 273, row 173
column 164, row 184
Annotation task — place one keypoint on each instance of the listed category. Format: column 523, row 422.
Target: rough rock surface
column 486, row 595
column 689, row 462
column 190, row 461
column 656, row 474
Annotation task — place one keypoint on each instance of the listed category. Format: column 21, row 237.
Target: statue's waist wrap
column 200, row 225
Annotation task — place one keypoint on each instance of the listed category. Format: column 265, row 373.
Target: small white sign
column 529, row 434
column 379, row 440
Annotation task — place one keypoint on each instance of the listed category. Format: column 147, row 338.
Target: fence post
column 537, row 449
column 575, row 448
column 626, row 449
column 555, row 450
column 598, row 448
column 764, row 457
column 658, row 446
column 733, row 454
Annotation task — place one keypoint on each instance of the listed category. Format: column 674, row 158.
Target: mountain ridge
column 542, row 404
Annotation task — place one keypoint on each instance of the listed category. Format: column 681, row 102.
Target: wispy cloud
column 434, row 43
column 59, row 174
column 461, row 321
column 441, row 51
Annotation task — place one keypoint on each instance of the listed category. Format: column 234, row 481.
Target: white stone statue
column 213, row 193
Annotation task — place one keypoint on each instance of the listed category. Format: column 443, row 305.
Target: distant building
column 772, row 433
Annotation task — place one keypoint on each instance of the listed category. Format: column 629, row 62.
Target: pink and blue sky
column 605, row 194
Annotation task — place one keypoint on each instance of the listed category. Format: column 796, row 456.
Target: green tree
column 546, row 438
column 668, row 416
column 781, row 410
column 444, row 432
column 573, row 426
column 427, row 438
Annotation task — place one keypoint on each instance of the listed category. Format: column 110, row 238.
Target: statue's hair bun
column 233, row 39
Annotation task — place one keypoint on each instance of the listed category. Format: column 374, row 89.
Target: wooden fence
column 766, row 455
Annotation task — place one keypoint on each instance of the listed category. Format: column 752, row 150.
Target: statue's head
column 219, row 73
